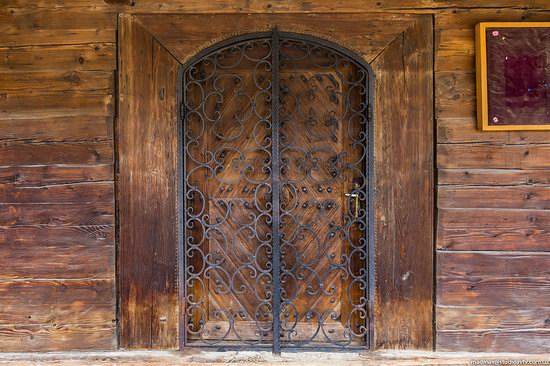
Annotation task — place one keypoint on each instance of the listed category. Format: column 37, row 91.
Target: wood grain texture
column 51, row 40
column 464, row 130
column 57, row 251
column 15, row 106
column 489, row 290
column 57, row 81
column 485, row 156
column 55, row 174
column 403, row 191
column 147, row 186
column 183, row 38
column 492, row 317
column 493, row 177
column 50, row 28
column 93, row 56
column 70, row 153
column 530, row 341
column 519, row 197
column 48, row 338
column 493, row 229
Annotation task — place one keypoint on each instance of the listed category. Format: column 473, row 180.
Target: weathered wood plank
column 29, row 257
column 523, row 341
column 52, row 174
column 96, row 213
column 492, row 229
column 455, row 50
column 493, row 177
column 464, row 130
column 92, row 153
column 215, row 6
column 404, row 267
column 57, row 28
column 488, row 290
column 15, row 106
column 165, row 319
column 97, row 56
column 136, row 239
column 259, row 6
column 492, row 317
column 455, row 95
column 482, row 156
column 468, row 18
column 59, row 336
column 60, row 129
column 57, row 81
column 180, row 35
column 44, row 301
column 80, row 193
column 51, row 236
column 493, row 264
column 523, row 197
column 147, row 190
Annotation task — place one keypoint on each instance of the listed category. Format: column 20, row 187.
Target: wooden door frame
column 399, row 47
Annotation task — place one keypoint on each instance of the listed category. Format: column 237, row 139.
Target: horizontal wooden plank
column 46, row 105
column 94, row 214
column 524, row 341
column 491, row 317
column 488, row 291
column 96, row 56
column 62, row 260
column 495, row 177
column 464, row 130
column 77, row 153
column 521, row 197
column 51, row 236
column 481, row 156
column 468, row 18
column 57, row 301
column 260, row 6
column 60, row 129
column 52, row 174
column 57, row 81
column 455, row 94
column 455, row 50
column 57, row 337
column 58, row 36
column 42, row 28
column 493, row 229
column 81, row 193
column 493, row 264
column 215, row 6
column 51, row 20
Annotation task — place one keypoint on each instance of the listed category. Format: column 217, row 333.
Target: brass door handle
column 355, row 196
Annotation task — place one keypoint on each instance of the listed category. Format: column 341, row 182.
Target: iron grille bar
column 275, row 192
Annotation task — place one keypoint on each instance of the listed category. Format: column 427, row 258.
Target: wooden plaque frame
column 482, row 91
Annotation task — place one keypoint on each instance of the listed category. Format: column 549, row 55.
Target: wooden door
column 276, row 140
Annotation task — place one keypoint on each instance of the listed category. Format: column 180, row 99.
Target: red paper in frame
column 518, row 76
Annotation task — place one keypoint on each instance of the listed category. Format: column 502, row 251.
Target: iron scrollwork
column 277, row 213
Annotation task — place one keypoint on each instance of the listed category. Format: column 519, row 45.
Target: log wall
column 57, row 211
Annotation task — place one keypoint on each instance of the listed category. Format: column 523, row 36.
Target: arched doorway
column 277, row 214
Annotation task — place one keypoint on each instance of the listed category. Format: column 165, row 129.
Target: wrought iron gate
column 276, row 194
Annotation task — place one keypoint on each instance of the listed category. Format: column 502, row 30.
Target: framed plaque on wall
column 513, row 75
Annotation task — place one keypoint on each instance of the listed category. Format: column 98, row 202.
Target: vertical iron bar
column 275, row 191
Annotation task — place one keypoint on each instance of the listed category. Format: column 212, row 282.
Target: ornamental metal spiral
column 277, row 192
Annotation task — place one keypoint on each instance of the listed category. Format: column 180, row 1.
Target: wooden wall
column 57, row 215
